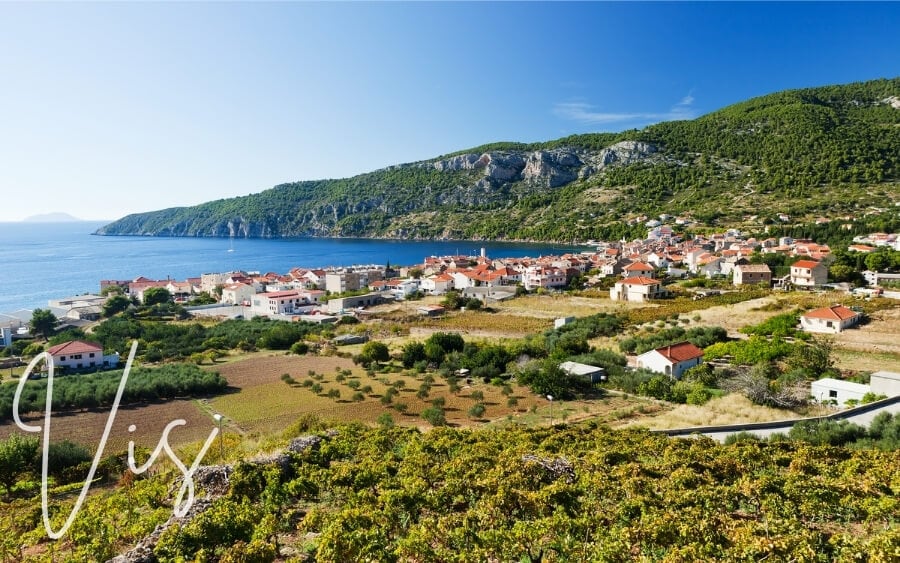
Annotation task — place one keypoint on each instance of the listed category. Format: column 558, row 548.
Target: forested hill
column 832, row 151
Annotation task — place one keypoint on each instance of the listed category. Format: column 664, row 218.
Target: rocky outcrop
column 504, row 167
column 557, row 167
column 214, row 480
column 462, row 162
column 623, row 153
column 556, row 468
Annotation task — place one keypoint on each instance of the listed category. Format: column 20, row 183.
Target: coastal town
column 638, row 272
column 635, row 271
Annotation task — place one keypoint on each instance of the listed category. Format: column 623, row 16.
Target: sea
column 44, row 261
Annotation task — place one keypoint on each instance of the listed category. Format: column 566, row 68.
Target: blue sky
column 112, row 108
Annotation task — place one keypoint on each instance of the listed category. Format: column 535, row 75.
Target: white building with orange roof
column 437, row 284
column 829, row 320
column 808, row 273
column 543, row 277
column 78, row 355
column 636, row 288
column 638, row 269
column 671, row 360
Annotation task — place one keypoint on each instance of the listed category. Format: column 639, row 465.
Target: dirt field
column 555, row 306
column 86, row 427
column 734, row 317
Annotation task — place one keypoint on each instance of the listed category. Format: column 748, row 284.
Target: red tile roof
column 640, row 280
column 680, row 352
column 277, row 294
column 833, row 313
column 74, row 347
column 805, row 264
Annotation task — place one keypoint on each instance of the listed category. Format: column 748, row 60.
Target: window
column 91, row 355
column 832, row 394
column 62, row 358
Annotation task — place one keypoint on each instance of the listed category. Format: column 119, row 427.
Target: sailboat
column 231, row 243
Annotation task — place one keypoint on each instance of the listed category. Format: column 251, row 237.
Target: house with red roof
column 437, row 285
column 638, row 269
column 636, row 288
column 78, row 355
column 672, row 360
column 808, row 273
column 831, row 320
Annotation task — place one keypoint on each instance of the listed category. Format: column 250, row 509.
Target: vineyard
column 580, row 492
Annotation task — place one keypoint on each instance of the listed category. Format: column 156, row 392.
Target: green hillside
column 830, row 151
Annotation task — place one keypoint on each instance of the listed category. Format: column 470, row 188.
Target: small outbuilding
column 885, row 383
column 837, row 391
column 431, row 310
column 587, row 372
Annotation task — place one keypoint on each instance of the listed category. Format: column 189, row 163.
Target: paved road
column 862, row 416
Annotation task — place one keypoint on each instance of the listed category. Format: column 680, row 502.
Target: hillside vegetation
column 575, row 493
column 832, row 151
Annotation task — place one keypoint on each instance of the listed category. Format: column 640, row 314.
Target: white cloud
column 586, row 113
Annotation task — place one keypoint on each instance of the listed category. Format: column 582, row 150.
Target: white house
column 280, row 303
column 81, row 355
column 438, row 284
column 237, row 294
column 542, row 277
column 831, row 320
column 403, row 288
column 808, row 273
column 636, row 288
column 638, row 269
column 829, row 389
column 671, row 360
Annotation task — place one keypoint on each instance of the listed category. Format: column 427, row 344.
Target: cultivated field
column 86, row 427
column 267, row 404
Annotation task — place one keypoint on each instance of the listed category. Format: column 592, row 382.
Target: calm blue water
column 39, row 262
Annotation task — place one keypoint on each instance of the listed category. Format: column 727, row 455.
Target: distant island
column 57, row 217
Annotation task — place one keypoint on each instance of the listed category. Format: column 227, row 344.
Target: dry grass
column 479, row 322
column 730, row 409
column 555, row 305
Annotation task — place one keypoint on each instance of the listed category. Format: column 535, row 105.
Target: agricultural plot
column 86, row 427
column 265, row 403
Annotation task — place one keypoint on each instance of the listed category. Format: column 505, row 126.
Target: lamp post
column 219, row 419
column 550, row 398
